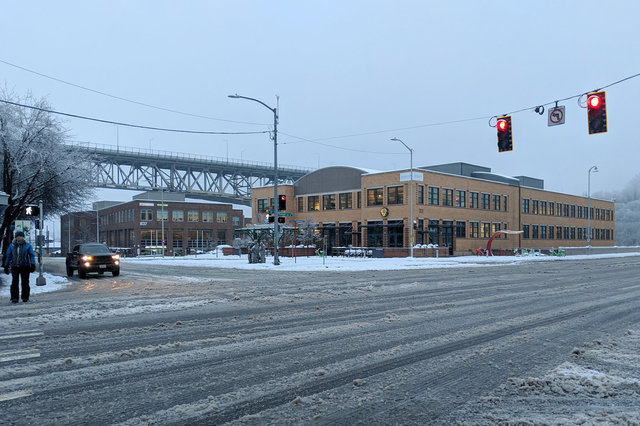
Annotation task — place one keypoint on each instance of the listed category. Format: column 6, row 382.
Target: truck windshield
column 95, row 249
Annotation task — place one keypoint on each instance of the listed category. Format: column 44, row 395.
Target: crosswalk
column 15, row 355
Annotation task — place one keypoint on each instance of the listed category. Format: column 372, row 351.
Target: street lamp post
column 594, row 169
column 410, row 195
column 276, row 258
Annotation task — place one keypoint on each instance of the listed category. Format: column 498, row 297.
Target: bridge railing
column 114, row 149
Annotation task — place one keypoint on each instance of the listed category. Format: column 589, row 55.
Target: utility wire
column 443, row 123
column 125, row 99
column 161, row 129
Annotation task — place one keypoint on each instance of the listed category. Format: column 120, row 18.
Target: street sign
column 162, row 205
column 556, row 116
column 285, row 214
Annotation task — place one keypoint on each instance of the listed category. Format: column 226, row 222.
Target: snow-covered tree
column 36, row 165
column 308, row 234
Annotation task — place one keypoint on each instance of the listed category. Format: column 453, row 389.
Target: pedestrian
column 20, row 261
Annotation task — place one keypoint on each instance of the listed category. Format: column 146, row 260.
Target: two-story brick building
column 456, row 205
column 141, row 225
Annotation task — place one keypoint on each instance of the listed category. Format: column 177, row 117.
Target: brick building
column 140, row 225
column 456, row 205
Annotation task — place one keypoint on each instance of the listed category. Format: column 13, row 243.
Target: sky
column 346, row 76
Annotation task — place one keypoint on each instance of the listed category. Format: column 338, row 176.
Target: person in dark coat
column 20, row 261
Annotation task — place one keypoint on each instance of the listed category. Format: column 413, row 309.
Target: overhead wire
column 125, row 99
column 161, row 129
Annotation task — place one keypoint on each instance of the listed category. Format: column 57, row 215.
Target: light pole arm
column 236, row 96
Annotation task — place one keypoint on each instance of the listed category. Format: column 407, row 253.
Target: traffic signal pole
column 41, row 280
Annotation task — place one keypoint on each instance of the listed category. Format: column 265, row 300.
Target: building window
column 486, row 230
column 433, row 195
column 534, row 207
column 496, row 202
column 221, row 217
column 300, row 204
column 580, row 212
column 420, row 194
column 572, row 211
column 543, row 208
column 262, row 205
column 543, row 232
column 551, row 232
column 473, row 229
column 193, row 216
column 177, row 216
column 395, row 195
column 207, row 216
column 346, row 200
column 474, row 200
column 525, row 205
column 235, row 220
column 374, row 197
column 552, row 208
column 505, row 200
column 160, row 215
column 525, row 231
column 534, row 232
column 461, row 198
column 374, row 234
column 572, row 233
column 447, row 197
column 313, row 203
column 486, row 201
column 359, row 199
column 461, row 229
column 558, row 209
column 565, row 210
column 558, row 232
column 146, row 215
column 396, row 233
column 329, row 202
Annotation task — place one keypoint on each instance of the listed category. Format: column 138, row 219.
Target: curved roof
column 330, row 179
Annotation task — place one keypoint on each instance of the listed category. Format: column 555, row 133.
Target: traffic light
column 280, row 219
column 597, row 112
column 505, row 137
column 270, row 218
column 31, row 210
column 37, row 223
column 282, row 202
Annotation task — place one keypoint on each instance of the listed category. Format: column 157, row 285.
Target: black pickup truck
column 92, row 257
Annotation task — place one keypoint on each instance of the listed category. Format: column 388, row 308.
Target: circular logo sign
column 384, row 212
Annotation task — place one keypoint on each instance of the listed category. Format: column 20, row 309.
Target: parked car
column 92, row 257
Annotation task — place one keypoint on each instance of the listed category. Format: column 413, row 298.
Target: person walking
column 20, row 261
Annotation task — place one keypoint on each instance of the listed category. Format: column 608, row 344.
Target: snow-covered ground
column 314, row 263
column 319, row 263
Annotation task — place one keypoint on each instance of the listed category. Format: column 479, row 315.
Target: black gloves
column 6, row 270
column 33, row 267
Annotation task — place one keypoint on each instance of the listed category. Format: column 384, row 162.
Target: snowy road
column 538, row 342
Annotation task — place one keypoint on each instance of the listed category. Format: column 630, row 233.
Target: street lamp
column 410, row 194
column 591, row 169
column 276, row 259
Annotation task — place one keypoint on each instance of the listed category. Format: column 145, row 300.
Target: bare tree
column 36, row 165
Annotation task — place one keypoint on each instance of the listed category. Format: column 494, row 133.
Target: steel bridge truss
column 127, row 168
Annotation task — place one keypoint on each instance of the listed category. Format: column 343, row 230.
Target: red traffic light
column 594, row 101
column 502, row 125
column 597, row 112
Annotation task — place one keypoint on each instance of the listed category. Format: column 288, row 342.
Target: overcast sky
column 375, row 69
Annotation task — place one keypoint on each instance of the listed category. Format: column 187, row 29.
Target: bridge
column 197, row 176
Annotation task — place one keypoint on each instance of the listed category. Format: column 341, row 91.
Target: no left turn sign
column 556, row 116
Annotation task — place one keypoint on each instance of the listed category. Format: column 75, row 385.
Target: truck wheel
column 69, row 271
column 81, row 273
column 116, row 272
